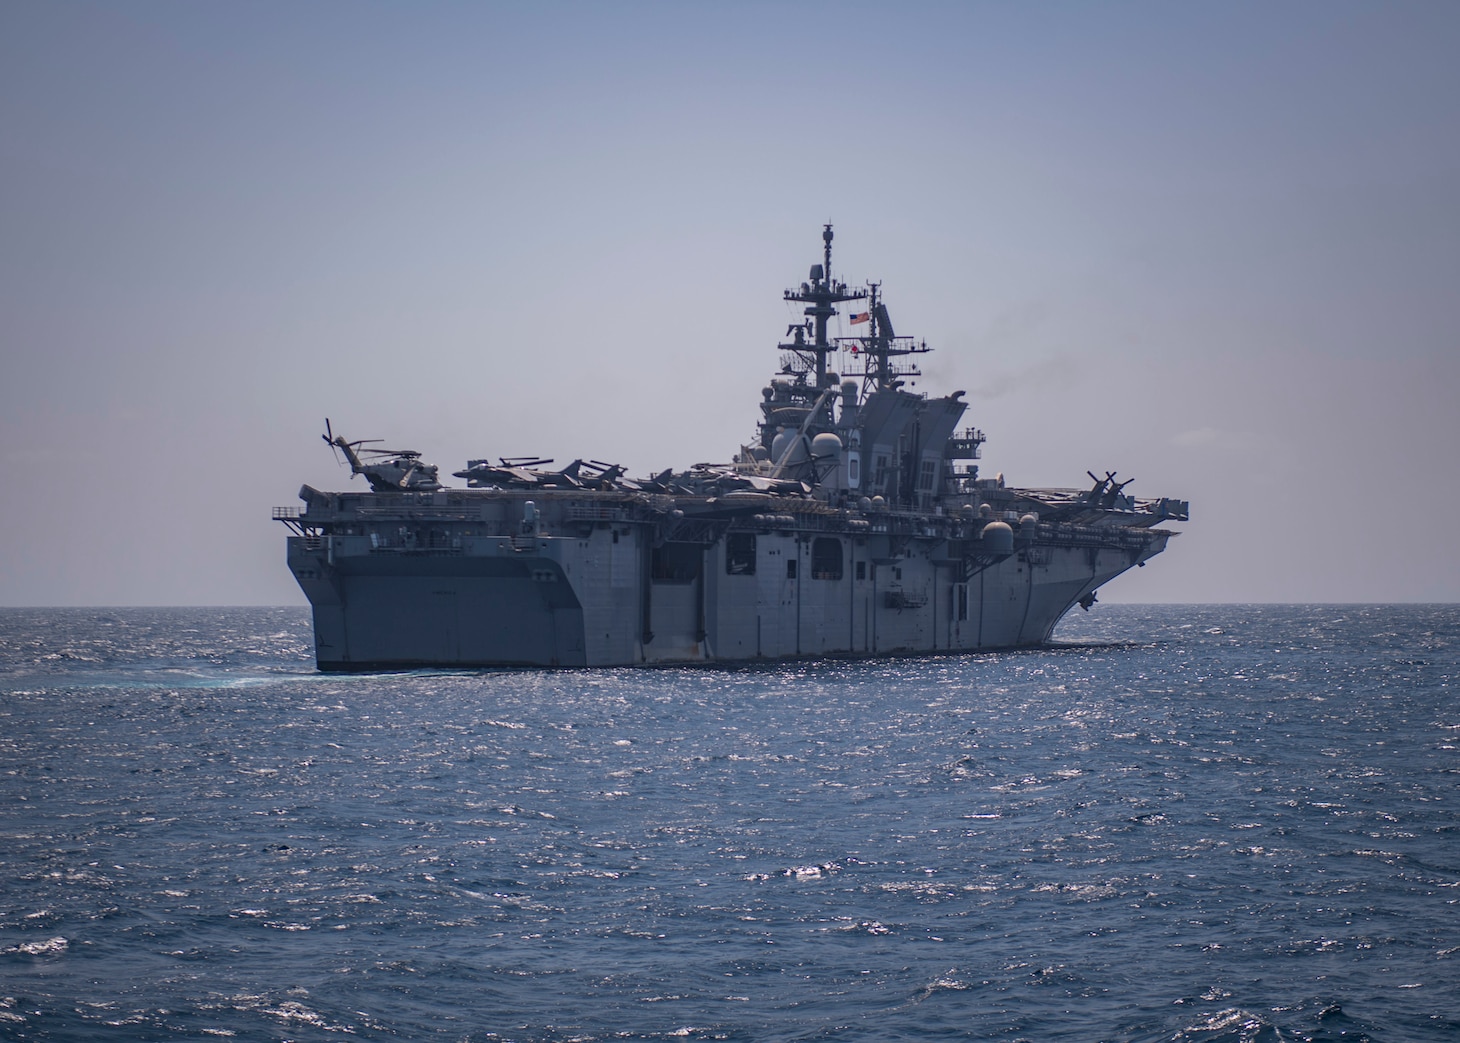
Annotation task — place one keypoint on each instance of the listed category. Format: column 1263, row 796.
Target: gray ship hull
column 641, row 586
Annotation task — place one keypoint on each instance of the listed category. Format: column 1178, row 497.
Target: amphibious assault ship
column 854, row 523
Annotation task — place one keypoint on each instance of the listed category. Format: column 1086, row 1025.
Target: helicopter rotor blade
column 329, row 437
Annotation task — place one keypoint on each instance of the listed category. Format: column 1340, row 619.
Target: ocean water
column 1178, row 824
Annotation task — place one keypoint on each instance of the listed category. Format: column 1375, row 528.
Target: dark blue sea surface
column 1179, row 824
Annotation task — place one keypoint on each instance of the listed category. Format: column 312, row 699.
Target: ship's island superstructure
column 854, row 524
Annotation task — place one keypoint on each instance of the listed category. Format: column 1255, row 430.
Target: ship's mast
column 819, row 293
column 878, row 341
column 880, row 346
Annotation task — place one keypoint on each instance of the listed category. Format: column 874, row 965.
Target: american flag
column 861, row 316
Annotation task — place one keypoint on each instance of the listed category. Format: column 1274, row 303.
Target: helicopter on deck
column 387, row 470
column 515, row 472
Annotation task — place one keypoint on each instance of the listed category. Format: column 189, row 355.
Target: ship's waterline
column 847, row 527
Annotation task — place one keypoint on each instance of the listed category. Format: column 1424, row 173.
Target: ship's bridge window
column 740, row 554
column 826, row 558
column 925, row 479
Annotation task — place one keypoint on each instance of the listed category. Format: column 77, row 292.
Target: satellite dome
column 826, row 446
column 997, row 538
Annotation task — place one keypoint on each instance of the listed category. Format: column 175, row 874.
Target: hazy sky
column 1215, row 247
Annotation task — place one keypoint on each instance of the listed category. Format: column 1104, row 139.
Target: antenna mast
column 819, row 293
column 880, row 347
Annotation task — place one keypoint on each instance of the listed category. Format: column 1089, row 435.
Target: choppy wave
column 1219, row 824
